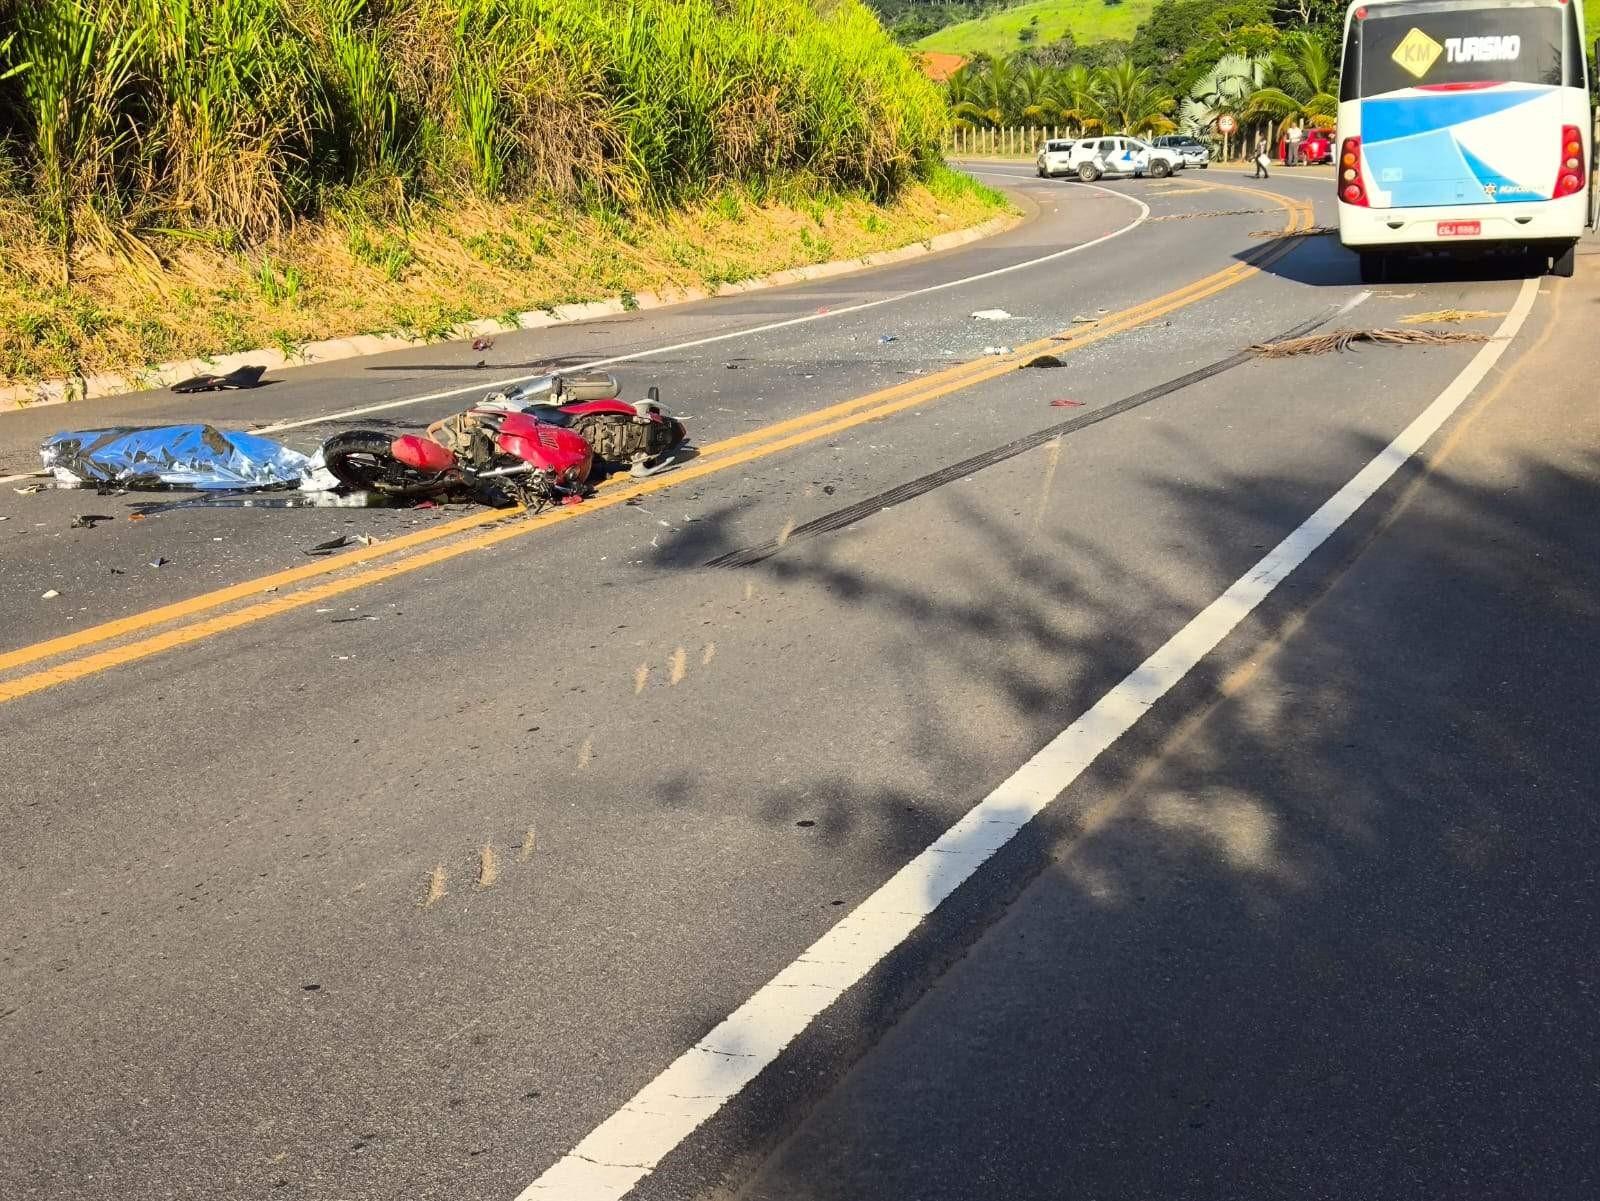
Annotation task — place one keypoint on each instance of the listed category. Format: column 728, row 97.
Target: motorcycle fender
column 619, row 407
column 551, row 449
column 422, row 453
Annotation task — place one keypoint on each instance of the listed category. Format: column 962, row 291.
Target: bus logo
column 1417, row 52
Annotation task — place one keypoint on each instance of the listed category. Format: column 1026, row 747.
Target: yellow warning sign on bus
column 1417, row 52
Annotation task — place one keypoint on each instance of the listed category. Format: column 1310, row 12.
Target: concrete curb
column 62, row 391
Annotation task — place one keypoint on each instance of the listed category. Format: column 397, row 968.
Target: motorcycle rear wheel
column 616, row 439
column 361, row 459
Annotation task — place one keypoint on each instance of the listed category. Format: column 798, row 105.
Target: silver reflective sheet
column 200, row 457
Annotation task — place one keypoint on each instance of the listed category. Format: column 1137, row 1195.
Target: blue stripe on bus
column 1506, row 190
column 1387, row 119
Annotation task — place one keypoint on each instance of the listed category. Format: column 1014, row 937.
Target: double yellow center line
column 269, row 595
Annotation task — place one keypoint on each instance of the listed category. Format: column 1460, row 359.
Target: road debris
column 997, row 350
column 483, row 344
column 51, row 595
column 1064, row 403
column 1343, row 339
column 1206, row 213
column 333, row 544
column 86, row 521
column 1448, row 317
column 992, row 315
column 1313, row 231
column 1044, row 360
column 28, row 489
column 159, row 562
column 887, row 338
column 1082, row 320
column 244, row 377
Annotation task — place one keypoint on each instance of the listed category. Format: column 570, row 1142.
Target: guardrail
column 1017, row 140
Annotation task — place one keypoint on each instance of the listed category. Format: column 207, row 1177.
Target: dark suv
column 1188, row 147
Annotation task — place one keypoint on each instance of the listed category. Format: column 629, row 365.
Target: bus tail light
column 1571, row 176
column 1352, row 187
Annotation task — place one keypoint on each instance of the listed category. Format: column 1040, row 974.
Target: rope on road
column 1213, row 213
column 1343, row 339
column 1313, row 231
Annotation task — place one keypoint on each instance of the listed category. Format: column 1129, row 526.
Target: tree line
column 1267, row 65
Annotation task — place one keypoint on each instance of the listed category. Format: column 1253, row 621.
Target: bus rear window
column 1461, row 46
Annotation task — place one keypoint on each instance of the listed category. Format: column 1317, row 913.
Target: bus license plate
column 1460, row 229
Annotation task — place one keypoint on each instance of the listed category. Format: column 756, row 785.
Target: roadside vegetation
column 1136, row 66
column 1003, row 29
column 188, row 176
column 1265, row 63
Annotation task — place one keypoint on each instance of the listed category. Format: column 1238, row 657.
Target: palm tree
column 1034, row 98
column 1075, row 99
column 1129, row 102
column 1225, row 90
column 987, row 93
column 1301, row 85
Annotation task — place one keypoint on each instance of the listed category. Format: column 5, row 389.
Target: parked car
column 1190, row 149
column 1054, row 158
column 1315, row 147
column 1119, row 157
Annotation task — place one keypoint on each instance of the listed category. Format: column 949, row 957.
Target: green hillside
column 1000, row 33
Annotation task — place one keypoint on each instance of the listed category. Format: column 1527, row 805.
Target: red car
column 1315, row 147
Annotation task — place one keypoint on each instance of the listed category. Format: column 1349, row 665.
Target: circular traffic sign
column 1226, row 124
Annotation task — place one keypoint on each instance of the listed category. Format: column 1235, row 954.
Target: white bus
column 1463, row 124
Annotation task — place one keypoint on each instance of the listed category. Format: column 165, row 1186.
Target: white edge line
column 496, row 385
column 629, row 1144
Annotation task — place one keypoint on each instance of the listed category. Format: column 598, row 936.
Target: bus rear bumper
column 1533, row 222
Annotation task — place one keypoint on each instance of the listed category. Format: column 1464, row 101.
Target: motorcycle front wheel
column 361, row 459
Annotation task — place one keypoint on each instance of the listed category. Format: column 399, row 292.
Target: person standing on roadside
column 1295, row 136
column 1261, row 157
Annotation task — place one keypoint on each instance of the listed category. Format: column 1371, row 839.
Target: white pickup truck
column 1121, row 156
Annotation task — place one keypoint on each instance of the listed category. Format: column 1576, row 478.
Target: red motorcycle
column 535, row 444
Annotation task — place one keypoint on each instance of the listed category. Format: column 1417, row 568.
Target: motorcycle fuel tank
column 545, row 446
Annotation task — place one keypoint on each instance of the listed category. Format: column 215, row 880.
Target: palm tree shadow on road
column 1320, row 918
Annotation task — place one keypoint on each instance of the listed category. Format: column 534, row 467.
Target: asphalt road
column 1323, row 915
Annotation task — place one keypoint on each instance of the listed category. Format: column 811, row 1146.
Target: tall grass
column 235, row 117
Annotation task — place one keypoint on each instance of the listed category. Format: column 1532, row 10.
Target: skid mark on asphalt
column 912, row 489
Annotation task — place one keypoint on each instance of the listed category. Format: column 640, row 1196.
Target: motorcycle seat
column 549, row 414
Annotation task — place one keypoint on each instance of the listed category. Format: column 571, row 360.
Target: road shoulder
column 1343, row 932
